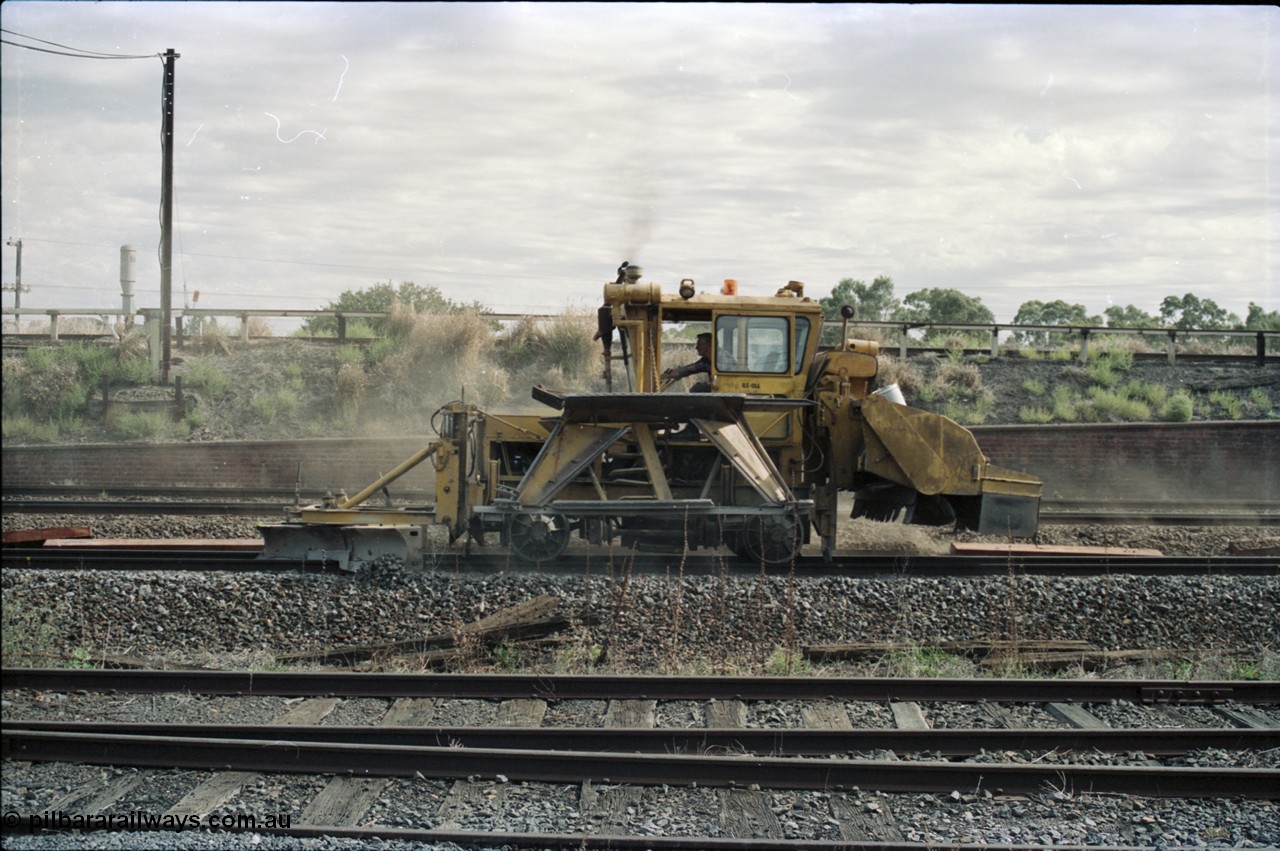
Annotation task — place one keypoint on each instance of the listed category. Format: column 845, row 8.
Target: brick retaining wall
column 1215, row 460
column 317, row 464
column 1218, row 460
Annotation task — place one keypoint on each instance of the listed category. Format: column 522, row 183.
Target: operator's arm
column 698, row 366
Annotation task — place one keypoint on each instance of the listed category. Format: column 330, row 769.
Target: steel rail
column 587, row 841
column 947, row 742
column 70, row 557
column 1064, row 512
column 549, row 766
column 597, row 687
column 167, row 561
column 166, row 508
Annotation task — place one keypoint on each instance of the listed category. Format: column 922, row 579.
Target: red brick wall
column 1218, row 460
column 320, row 464
column 1142, row 461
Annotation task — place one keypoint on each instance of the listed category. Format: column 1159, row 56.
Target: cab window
column 802, row 340
column 752, row 344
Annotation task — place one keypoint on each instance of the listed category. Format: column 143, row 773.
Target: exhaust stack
column 128, row 277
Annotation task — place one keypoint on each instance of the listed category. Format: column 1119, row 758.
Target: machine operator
column 700, row 366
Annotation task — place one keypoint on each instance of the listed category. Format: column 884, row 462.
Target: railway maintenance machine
column 753, row 461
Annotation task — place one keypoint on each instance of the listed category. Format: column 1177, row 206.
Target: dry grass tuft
column 966, row 376
column 909, row 377
column 402, row 319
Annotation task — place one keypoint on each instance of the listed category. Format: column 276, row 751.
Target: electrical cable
column 78, row 54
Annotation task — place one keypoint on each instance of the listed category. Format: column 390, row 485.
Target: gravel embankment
column 645, row 622
column 1062, row 817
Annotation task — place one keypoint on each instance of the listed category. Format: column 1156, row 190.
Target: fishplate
column 1185, row 696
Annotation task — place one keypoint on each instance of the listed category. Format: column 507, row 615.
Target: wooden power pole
column 166, row 219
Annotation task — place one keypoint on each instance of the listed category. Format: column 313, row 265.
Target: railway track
column 202, row 502
column 593, row 762
column 813, row 566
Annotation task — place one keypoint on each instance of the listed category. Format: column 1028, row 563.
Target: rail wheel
column 538, row 537
column 769, row 540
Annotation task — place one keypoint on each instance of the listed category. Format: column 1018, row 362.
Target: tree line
column 876, row 302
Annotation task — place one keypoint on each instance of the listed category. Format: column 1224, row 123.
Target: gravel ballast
column 729, row 623
column 645, row 622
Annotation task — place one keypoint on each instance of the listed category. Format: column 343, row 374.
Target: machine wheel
column 538, row 537
column 769, row 540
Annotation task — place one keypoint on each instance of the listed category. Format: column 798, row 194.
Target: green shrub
column 1109, row 406
column 787, row 663
column 1029, row 414
column 348, row 353
column 1154, row 395
column 983, row 405
column 1035, row 388
column 117, row 365
column 14, row 377
column 382, row 349
column 293, row 376
column 137, row 425
column 23, row 427
column 1130, row 407
column 1109, row 366
column 1065, row 402
column 1178, row 409
column 1119, row 359
column 41, row 358
column 1102, row 373
column 202, row 375
column 1229, row 403
column 71, row 400
column 52, row 392
column 359, row 329
column 94, row 361
column 918, row 661
column 265, row 407
column 1261, row 400
column 135, row 371
column 290, row 402
column 68, row 426
column 970, row 413
column 30, row 633
column 269, row 407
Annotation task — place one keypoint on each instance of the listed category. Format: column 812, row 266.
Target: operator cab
column 754, row 351
column 770, row 345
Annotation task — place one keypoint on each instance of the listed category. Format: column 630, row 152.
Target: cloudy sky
column 516, row 153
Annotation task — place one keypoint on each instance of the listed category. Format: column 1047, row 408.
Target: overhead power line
column 67, row 50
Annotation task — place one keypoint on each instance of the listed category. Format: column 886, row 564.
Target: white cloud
column 516, row 153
